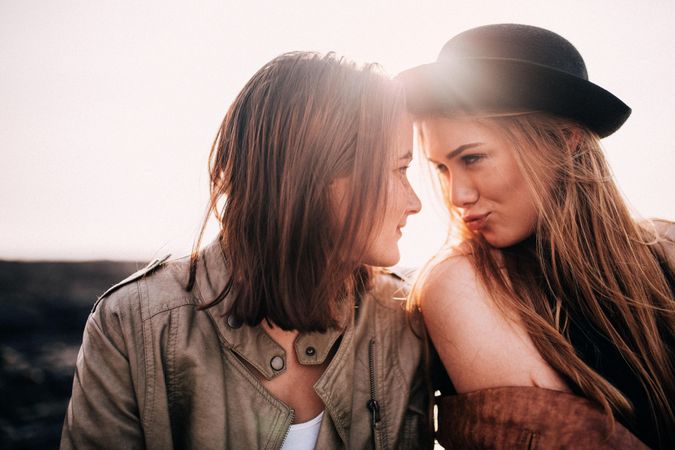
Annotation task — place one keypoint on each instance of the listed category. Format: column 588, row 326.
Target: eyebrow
column 461, row 148
column 407, row 156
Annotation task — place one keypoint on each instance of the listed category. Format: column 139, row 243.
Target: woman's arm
column 103, row 411
column 480, row 347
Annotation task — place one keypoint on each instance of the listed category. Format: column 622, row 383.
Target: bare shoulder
column 448, row 271
column 665, row 229
column 451, row 284
column 480, row 345
column 452, row 298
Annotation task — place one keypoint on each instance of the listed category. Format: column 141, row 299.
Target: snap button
column 277, row 363
column 310, row 351
column 233, row 322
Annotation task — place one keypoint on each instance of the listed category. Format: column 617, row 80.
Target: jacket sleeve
column 103, row 411
column 528, row 418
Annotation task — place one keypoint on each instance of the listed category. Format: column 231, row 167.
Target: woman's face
column 382, row 248
column 481, row 178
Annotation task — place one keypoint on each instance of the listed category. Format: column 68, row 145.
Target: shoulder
column 448, row 266
column 481, row 343
column 160, row 285
column 449, row 279
column 455, row 305
column 390, row 286
column 384, row 316
column 665, row 229
column 386, row 302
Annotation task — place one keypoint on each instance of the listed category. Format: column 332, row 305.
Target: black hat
column 510, row 67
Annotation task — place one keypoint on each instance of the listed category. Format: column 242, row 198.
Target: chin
column 383, row 260
column 496, row 242
column 504, row 241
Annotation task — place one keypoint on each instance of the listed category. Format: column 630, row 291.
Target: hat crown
column 524, row 43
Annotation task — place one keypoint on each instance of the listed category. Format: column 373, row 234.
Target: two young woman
column 556, row 306
column 281, row 333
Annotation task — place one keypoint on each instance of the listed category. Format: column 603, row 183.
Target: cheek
column 523, row 198
column 517, row 209
column 525, row 213
column 399, row 192
column 510, row 184
column 522, row 215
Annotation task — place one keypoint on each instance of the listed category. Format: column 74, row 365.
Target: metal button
column 277, row 363
column 233, row 321
column 310, row 351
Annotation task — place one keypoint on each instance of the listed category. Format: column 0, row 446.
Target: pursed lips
column 475, row 221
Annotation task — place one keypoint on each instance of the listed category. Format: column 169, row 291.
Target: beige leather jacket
column 155, row 372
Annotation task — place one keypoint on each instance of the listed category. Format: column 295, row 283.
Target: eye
column 403, row 170
column 472, row 158
column 441, row 168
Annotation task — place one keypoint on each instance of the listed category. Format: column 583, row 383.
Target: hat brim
column 474, row 85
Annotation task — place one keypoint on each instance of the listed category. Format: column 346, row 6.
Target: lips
column 399, row 228
column 475, row 221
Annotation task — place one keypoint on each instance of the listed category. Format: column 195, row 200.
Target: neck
column 281, row 337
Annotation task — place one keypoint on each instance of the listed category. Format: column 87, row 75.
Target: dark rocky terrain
column 43, row 309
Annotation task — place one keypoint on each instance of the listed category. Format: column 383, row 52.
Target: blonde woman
column 554, row 316
column 281, row 333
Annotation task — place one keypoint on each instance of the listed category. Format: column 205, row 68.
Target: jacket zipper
column 288, row 430
column 373, row 405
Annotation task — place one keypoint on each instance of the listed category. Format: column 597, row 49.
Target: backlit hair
column 587, row 255
column 302, row 121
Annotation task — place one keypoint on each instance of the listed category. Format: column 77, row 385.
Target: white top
column 302, row 436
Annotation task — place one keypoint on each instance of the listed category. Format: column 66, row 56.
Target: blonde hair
column 588, row 255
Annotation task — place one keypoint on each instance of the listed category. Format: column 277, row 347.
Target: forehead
column 405, row 136
column 444, row 134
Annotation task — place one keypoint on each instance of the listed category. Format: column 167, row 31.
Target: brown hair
column 587, row 255
column 300, row 122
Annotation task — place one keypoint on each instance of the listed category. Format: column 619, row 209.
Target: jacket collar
column 252, row 344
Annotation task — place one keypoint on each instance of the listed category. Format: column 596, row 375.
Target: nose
column 462, row 192
column 414, row 204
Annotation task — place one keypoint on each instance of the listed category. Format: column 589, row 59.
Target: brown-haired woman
column 280, row 334
column 554, row 314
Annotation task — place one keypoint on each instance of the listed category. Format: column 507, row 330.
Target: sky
column 108, row 109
